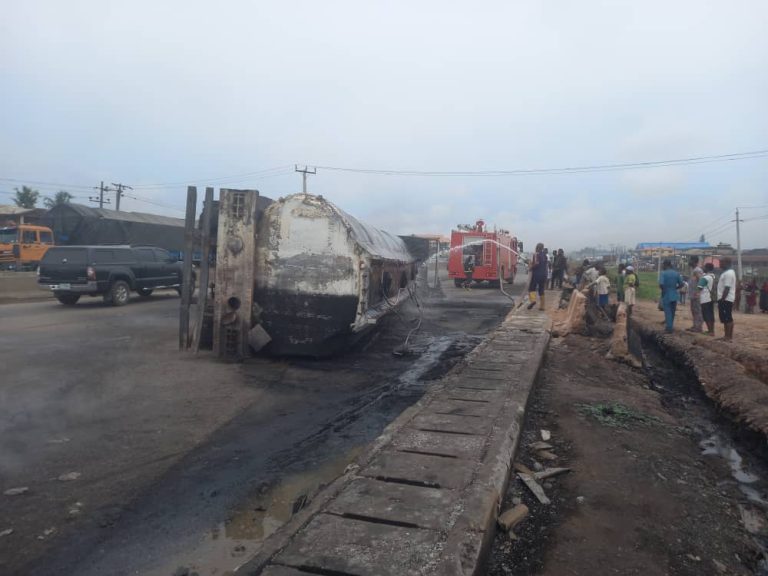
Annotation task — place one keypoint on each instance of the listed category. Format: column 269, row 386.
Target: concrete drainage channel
column 423, row 498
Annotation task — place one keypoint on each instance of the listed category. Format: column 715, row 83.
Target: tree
column 26, row 197
column 701, row 238
column 61, row 197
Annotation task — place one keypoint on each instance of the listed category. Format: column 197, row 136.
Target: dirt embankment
column 734, row 375
column 641, row 497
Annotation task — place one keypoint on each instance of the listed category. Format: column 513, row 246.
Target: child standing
column 603, row 284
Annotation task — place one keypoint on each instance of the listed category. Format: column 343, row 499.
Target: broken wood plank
column 540, row 446
column 534, row 487
column 549, row 473
column 512, row 517
column 519, row 467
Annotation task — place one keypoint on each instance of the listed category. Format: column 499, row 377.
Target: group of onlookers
column 703, row 291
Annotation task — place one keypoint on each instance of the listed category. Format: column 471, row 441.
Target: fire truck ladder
column 487, row 253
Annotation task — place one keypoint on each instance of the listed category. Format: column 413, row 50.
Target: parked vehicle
column 108, row 271
column 494, row 254
column 22, row 247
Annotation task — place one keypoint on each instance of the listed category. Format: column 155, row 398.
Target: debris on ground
column 6, row 532
column 546, row 455
column 550, row 473
column 512, row 517
column 534, row 487
column 540, row 446
column 69, row 476
column 546, row 435
column 16, row 491
column 47, row 532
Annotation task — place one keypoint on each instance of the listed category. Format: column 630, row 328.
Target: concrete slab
column 471, row 376
column 458, row 445
column 464, row 408
column 397, row 503
column 424, row 469
column 451, row 423
column 331, row 543
column 474, row 395
column 276, row 570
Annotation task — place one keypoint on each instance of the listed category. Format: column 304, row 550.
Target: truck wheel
column 191, row 292
column 68, row 299
column 144, row 292
column 119, row 293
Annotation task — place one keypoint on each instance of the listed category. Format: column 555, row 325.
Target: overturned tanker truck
column 300, row 276
column 323, row 277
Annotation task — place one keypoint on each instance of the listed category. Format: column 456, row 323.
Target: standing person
column 557, row 270
column 562, row 267
column 603, row 285
column 580, row 271
column 683, row 290
column 630, row 286
column 539, row 267
column 704, row 293
column 764, row 298
column 750, row 295
column 694, row 293
column 620, row 283
column 469, row 270
column 726, row 296
column 670, row 282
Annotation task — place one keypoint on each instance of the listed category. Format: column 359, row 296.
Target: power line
column 564, row 170
column 258, row 174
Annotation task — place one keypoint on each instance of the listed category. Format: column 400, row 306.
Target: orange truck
column 22, row 246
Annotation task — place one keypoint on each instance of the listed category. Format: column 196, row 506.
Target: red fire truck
column 494, row 254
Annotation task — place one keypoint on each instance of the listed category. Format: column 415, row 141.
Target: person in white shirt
column 704, row 289
column 726, row 295
column 603, row 284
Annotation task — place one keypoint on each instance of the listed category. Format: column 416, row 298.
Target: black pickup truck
column 107, row 271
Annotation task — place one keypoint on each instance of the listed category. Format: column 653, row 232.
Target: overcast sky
column 146, row 92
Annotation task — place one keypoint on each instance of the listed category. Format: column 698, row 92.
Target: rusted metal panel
column 235, row 272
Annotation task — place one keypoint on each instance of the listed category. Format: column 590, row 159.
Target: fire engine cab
column 494, row 254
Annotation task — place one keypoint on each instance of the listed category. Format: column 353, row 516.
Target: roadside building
column 13, row 215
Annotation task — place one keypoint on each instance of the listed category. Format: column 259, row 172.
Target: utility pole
column 119, row 193
column 100, row 199
column 304, row 173
column 738, row 246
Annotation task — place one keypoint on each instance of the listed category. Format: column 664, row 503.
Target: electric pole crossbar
column 304, row 171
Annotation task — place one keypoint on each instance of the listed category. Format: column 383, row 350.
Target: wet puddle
column 233, row 542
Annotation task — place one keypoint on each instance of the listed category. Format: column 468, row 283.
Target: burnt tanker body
column 324, row 278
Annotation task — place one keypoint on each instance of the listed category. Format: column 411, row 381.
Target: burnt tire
column 144, row 292
column 119, row 293
column 68, row 299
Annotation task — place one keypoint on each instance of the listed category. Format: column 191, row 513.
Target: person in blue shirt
column 670, row 282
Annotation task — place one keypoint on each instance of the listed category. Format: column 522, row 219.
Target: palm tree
column 26, row 197
column 61, row 197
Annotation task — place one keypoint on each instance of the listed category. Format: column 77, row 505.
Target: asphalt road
column 180, row 460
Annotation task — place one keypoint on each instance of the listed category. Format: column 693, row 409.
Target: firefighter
column 469, row 269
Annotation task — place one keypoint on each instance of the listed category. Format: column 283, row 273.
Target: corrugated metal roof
column 8, row 209
column 675, row 245
column 104, row 214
